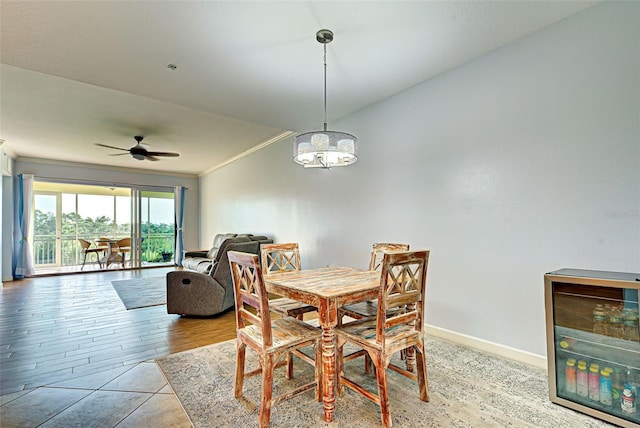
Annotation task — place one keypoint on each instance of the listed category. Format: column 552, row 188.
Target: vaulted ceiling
column 78, row 73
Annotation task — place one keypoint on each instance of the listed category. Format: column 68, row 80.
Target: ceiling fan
column 140, row 152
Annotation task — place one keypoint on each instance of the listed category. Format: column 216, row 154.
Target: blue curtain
column 179, row 204
column 22, row 264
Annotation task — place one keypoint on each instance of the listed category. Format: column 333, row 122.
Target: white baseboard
column 486, row 346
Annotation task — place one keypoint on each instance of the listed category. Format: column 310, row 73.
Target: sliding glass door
column 63, row 214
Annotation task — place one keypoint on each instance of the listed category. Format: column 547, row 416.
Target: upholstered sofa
column 209, row 293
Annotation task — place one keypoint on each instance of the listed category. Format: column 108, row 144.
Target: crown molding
column 103, row 167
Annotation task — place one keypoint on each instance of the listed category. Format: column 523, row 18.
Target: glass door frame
column 57, row 258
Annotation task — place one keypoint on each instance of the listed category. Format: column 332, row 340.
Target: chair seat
column 366, row 309
column 286, row 332
column 359, row 310
column 93, row 250
column 289, row 307
column 364, row 332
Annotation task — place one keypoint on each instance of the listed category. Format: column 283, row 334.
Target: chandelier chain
column 325, row 87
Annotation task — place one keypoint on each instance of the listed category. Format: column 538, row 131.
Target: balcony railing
column 155, row 248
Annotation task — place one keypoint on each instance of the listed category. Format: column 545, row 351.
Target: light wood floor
column 61, row 327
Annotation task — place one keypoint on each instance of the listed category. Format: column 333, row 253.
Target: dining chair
column 402, row 287
column 273, row 339
column 281, row 258
column 369, row 308
column 379, row 249
column 85, row 248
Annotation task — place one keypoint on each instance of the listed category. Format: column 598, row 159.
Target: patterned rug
column 142, row 292
column 468, row 388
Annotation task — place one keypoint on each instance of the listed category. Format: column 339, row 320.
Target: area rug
column 142, row 292
column 467, row 388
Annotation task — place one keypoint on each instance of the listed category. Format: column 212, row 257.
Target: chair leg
column 410, row 358
column 383, row 392
column 318, row 372
column 423, row 381
column 84, row 259
column 239, row 375
column 410, row 352
column 288, row 374
column 267, row 390
column 339, row 366
column 289, row 370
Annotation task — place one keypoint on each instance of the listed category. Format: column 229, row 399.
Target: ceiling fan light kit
column 325, row 149
column 140, row 152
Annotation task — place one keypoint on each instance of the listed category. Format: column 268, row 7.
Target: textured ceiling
column 78, row 73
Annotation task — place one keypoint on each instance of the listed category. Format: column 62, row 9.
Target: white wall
column 518, row 163
column 113, row 175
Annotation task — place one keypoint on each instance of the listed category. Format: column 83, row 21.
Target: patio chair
column 87, row 249
column 124, row 247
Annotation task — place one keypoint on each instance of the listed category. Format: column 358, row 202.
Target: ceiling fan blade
column 111, row 147
column 165, row 154
column 118, row 154
column 150, row 158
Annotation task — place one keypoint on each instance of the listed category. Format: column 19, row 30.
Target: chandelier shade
column 325, row 149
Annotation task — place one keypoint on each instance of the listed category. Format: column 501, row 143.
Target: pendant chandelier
column 325, row 149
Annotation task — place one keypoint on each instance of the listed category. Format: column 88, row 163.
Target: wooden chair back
column 280, row 257
column 401, row 295
column 378, row 250
column 250, row 292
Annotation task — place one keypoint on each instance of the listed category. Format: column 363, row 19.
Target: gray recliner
column 204, row 294
column 200, row 261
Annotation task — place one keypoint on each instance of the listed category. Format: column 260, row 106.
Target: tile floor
column 130, row 396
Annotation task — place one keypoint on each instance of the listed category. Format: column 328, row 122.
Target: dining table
column 327, row 289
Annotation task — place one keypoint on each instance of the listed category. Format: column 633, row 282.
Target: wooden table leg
column 328, row 317
column 328, row 372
